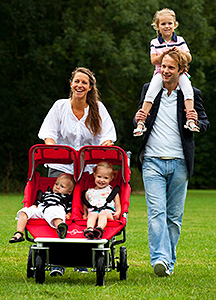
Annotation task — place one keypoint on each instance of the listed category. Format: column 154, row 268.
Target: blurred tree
column 43, row 41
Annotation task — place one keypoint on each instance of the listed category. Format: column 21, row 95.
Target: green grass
column 195, row 270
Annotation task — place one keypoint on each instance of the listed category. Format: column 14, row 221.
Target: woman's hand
column 49, row 141
column 107, row 143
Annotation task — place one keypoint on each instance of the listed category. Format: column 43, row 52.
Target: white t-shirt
column 164, row 139
column 64, row 128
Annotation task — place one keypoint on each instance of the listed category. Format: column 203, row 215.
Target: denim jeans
column 165, row 182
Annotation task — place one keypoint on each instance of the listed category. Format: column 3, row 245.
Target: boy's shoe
column 62, row 230
column 161, row 269
column 81, row 270
column 57, row 271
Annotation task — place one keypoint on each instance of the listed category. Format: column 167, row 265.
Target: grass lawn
column 195, row 269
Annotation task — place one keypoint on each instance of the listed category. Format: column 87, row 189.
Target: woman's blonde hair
column 163, row 12
column 93, row 120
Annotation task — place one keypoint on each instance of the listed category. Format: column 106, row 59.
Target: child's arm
column 39, row 198
column 85, row 212
column 187, row 54
column 156, row 59
column 85, row 209
column 68, row 215
column 117, row 213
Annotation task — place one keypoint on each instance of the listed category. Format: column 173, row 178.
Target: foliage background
column 41, row 42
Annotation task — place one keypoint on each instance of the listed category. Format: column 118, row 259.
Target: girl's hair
column 93, row 120
column 106, row 165
column 163, row 12
column 179, row 57
column 68, row 177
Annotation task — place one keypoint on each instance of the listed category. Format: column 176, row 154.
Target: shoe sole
column 55, row 273
column 160, row 270
column 62, row 230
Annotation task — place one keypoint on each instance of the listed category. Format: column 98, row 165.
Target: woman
column 80, row 120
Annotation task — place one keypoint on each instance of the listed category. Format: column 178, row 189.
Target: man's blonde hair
column 179, row 57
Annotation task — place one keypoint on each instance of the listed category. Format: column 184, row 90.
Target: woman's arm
column 49, row 141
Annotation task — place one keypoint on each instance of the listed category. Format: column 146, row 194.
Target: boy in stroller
column 97, row 206
column 54, row 206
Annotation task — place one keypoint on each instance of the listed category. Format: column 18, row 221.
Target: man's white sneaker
column 161, row 269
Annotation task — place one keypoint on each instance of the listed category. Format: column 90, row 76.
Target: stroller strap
column 111, row 196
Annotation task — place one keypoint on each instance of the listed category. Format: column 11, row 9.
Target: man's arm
column 140, row 114
column 203, row 121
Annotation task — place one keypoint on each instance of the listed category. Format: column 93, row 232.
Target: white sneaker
column 57, row 271
column 161, row 269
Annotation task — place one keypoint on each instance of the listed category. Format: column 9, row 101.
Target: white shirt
column 164, row 139
column 64, row 128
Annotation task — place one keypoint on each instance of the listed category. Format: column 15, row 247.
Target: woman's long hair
column 93, row 120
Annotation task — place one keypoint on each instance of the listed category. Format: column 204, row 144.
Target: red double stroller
column 75, row 250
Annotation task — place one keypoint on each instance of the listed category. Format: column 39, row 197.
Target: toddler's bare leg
column 103, row 217
column 21, row 224
column 92, row 218
column 57, row 222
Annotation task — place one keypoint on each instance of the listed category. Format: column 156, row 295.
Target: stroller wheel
column 123, row 266
column 30, row 271
column 100, row 269
column 40, row 267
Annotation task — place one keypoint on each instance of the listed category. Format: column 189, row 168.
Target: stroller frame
column 97, row 254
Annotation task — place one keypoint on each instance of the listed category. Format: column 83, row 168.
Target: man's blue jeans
column 165, row 182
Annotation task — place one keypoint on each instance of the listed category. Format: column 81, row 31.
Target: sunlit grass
column 195, row 269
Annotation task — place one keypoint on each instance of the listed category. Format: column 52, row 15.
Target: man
column 166, row 159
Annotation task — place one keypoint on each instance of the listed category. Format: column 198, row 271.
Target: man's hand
column 192, row 115
column 140, row 115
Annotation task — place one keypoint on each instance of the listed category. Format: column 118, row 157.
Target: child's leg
column 187, row 90
column 104, row 215
column 91, row 221
column 22, row 216
column 186, row 87
column 54, row 215
column 154, row 88
column 92, row 218
column 56, row 222
column 21, row 224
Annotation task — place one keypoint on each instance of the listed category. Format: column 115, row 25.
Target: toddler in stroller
column 54, row 206
column 97, row 206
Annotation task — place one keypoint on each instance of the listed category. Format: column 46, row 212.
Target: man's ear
column 181, row 71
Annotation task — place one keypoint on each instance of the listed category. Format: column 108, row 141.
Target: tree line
column 43, row 41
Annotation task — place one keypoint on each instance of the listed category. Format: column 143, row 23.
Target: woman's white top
column 65, row 128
